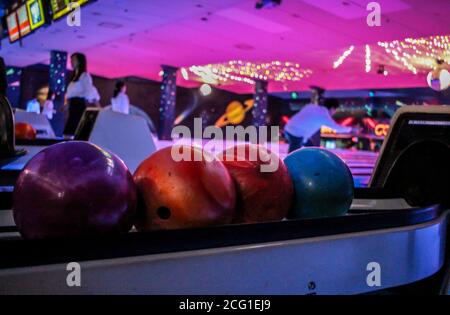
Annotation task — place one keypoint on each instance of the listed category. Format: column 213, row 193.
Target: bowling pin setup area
column 126, row 204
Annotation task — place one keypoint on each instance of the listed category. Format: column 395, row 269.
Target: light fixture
column 184, row 74
column 205, row 89
column 368, row 61
column 249, row 72
column 382, row 70
column 111, row 25
column 419, row 54
column 344, row 56
column 267, row 4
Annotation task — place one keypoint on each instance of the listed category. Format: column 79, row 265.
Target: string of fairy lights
column 368, row 59
column 344, row 56
column 213, row 75
column 417, row 55
column 414, row 54
column 248, row 72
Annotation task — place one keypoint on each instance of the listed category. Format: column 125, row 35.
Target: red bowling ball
column 72, row 189
column 262, row 194
column 25, row 131
column 183, row 193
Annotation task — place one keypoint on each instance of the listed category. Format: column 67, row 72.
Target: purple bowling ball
column 74, row 188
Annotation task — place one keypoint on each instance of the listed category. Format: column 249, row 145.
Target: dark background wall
column 32, row 79
column 145, row 94
column 13, row 75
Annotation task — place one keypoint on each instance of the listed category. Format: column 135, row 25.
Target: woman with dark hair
column 48, row 108
column 79, row 92
column 120, row 102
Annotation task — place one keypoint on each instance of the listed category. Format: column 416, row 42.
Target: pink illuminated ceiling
column 133, row 38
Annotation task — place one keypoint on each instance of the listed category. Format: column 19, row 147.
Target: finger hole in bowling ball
column 163, row 213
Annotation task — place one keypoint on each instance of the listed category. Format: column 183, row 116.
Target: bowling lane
column 361, row 163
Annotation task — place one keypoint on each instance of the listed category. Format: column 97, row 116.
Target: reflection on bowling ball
column 24, row 131
column 183, row 193
column 71, row 189
column 262, row 195
column 323, row 183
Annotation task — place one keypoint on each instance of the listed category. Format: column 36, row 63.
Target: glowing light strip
column 344, row 56
column 368, row 60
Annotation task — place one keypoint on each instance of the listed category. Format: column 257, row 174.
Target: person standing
column 80, row 92
column 303, row 129
column 48, row 108
column 33, row 106
column 43, row 103
column 120, row 102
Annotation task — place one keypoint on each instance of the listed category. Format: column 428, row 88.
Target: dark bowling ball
column 71, row 189
column 323, row 183
column 24, row 131
column 262, row 194
column 184, row 193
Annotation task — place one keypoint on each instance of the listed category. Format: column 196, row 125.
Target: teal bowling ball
column 323, row 183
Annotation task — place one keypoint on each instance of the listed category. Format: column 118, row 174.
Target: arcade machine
column 398, row 227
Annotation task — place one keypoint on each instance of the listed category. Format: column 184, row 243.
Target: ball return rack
column 393, row 240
